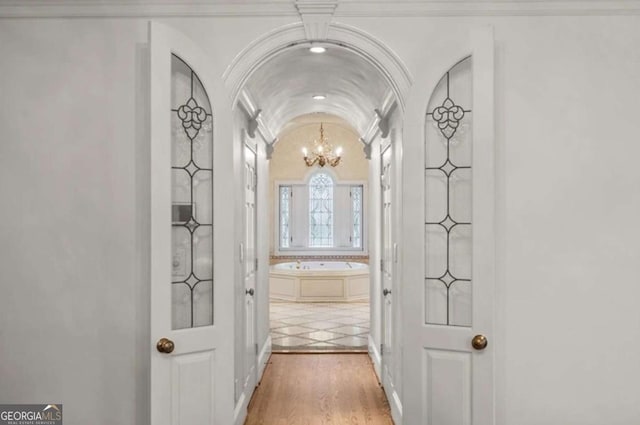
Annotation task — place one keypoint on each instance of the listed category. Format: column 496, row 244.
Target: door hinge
column 256, row 346
column 381, row 265
column 290, row 238
column 255, row 264
column 381, row 349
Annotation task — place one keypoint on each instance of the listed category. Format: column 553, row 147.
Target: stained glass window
column 321, row 211
column 356, row 216
column 285, row 214
column 321, row 214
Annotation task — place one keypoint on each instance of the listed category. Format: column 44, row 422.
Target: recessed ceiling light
column 319, row 97
column 317, row 49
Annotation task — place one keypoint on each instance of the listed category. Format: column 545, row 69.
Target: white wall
column 74, row 181
column 570, row 200
column 74, row 178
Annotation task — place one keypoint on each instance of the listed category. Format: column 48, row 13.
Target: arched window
column 321, row 211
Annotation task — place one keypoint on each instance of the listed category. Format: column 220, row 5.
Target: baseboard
column 392, row 395
column 240, row 411
column 263, row 357
column 374, row 354
column 396, row 407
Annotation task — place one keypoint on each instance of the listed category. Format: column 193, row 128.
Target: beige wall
column 287, row 164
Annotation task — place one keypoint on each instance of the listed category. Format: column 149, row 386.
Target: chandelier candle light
column 322, row 152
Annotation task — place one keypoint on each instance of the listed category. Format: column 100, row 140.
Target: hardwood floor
column 319, row 389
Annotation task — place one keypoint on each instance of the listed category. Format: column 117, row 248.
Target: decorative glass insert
column 285, row 214
column 448, row 179
column 192, row 199
column 356, row 216
column 321, row 211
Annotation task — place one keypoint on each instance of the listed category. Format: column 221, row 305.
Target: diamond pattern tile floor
column 319, row 326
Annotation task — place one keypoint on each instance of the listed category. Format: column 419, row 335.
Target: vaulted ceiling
column 284, row 87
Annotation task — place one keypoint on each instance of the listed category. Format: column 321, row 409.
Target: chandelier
column 322, row 152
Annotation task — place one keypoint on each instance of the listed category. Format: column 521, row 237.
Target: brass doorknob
column 165, row 345
column 249, row 291
column 386, row 292
column 479, row 342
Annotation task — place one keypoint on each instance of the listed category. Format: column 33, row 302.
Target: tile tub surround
column 277, row 259
column 310, row 326
column 324, row 281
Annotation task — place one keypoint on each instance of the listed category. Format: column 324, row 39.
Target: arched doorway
column 274, row 82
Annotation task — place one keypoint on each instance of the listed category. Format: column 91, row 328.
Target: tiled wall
column 276, row 259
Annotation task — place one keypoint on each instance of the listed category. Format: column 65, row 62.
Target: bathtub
column 319, row 281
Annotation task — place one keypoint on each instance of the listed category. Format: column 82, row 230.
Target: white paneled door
column 449, row 242
column 249, row 269
column 386, row 268
column 191, row 313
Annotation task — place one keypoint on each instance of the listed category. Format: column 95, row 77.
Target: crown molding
column 143, row 8
column 409, row 8
column 339, row 8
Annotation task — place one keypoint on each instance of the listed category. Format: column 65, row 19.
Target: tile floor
column 319, row 326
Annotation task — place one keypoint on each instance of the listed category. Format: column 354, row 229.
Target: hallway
column 319, row 389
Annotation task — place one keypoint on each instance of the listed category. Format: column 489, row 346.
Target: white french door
column 250, row 269
column 448, row 235
column 191, row 313
column 386, row 267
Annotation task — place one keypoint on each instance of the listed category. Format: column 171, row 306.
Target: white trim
column 484, row 216
column 316, row 17
column 393, row 398
column 263, row 358
column 396, row 407
column 372, row 129
column 398, row 8
column 376, row 359
column 140, row 9
column 250, row 106
column 241, row 409
column 407, row 8
column 287, row 36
